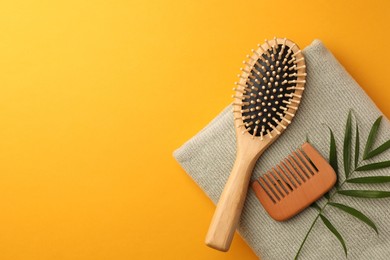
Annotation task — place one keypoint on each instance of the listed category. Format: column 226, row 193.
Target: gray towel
column 330, row 93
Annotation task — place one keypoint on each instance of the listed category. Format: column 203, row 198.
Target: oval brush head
column 267, row 97
column 270, row 88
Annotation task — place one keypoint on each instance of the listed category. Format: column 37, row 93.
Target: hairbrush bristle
column 270, row 87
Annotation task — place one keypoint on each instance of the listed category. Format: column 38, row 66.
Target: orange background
column 96, row 95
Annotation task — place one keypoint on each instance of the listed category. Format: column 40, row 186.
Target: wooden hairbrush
column 267, row 97
column 294, row 184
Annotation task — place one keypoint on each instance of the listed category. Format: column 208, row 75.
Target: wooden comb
column 299, row 180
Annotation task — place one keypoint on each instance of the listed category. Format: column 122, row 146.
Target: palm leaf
column 334, row 231
column 379, row 150
column 327, row 196
column 374, row 166
column 333, row 156
column 315, row 205
column 357, row 214
column 371, row 179
column 371, row 137
column 365, row 193
column 347, row 145
column 307, row 138
column 357, row 146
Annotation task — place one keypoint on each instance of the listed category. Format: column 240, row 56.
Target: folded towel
column 329, row 95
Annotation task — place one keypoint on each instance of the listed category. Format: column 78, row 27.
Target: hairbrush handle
column 230, row 204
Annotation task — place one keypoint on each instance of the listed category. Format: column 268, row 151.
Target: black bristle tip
column 269, row 90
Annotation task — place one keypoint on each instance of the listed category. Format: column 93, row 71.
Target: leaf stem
column 307, row 234
column 322, row 209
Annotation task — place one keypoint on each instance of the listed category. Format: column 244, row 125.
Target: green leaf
column 347, row 145
column 372, row 179
column 333, row 156
column 357, row 146
column 334, row 231
column 327, row 196
column 379, row 150
column 357, row 214
column 307, row 138
column 371, row 137
column 374, row 166
column 315, row 205
column 365, row 193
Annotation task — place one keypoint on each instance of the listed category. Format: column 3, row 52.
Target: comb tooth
column 302, row 173
column 293, row 67
column 258, row 64
column 269, row 133
column 274, row 128
column 301, row 59
column 274, row 183
column 275, row 45
column 296, row 95
column 306, row 162
column 245, row 70
column 258, row 72
column 297, row 81
column 255, row 131
column 250, row 123
column 286, row 120
column 291, row 61
column 279, row 123
column 296, row 53
column 247, row 64
column 290, row 106
column 255, row 52
column 265, row 188
column 309, row 160
column 250, row 58
column 278, row 184
column 262, row 133
column 292, row 100
column 270, row 187
column 301, row 165
column 288, row 113
column 269, row 46
column 277, row 178
column 289, row 174
column 240, row 84
column 284, row 177
column 246, row 130
column 239, row 90
column 262, row 49
column 282, row 49
column 294, row 171
column 240, row 97
column 290, row 50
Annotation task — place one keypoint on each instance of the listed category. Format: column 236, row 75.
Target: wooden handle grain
column 230, row 204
